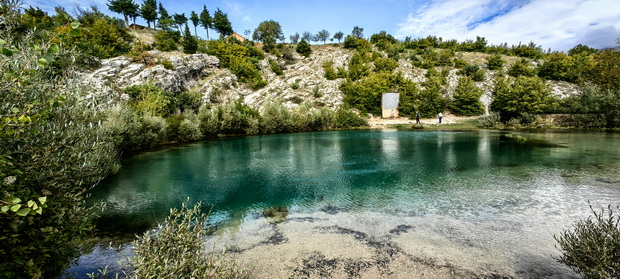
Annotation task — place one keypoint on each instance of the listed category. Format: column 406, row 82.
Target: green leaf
column 49, row 57
column 30, row 203
column 75, row 24
column 39, row 210
column 16, row 200
column 42, row 62
column 5, row 209
column 54, row 48
column 15, row 110
column 23, row 211
column 74, row 33
column 2, row 42
column 16, row 207
column 42, row 200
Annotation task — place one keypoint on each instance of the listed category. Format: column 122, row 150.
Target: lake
column 364, row 201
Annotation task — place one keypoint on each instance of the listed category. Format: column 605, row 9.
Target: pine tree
column 195, row 20
column 190, row 45
column 467, row 98
column 148, row 11
column 206, row 20
column 222, row 24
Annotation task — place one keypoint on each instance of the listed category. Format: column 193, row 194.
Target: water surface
column 478, row 187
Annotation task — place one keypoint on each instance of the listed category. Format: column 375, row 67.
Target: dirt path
column 379, row 123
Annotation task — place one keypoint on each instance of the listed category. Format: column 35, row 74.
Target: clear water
column 482, row 179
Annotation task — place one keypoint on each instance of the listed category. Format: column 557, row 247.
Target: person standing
column 417, row 117
column 440, row 115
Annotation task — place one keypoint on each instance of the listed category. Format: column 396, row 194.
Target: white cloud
column 559, row 25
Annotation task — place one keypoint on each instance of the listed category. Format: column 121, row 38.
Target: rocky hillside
column 302, row 79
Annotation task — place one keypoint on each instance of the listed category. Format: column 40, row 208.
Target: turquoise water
column 473, row 176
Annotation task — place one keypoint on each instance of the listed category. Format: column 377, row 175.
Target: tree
column 133, row 15
column 190, row 45
column 179, row 20
column 316, row 38
column 525, row 96
column 165, row 21
column 294, row 38
column 124, row 7
column 323, row 35
column 206, row 20
column 467, row 98
column 579, row 49
column 148, row 11
column 195, row 20
column 338, row 36
column 303, row 48
column 306, row 36
column 358, row 32
column 222, row 24
column 268, row 32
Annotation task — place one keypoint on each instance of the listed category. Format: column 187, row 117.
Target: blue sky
column 555, row 24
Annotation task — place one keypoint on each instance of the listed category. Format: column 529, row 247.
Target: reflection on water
column 481, row 178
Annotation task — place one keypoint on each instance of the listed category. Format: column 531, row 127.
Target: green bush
column 174, row 250
column 385, row 64
column 526, row 95
column 330, row 72
column 467, row 98
column 522, row 67
column 275, row 67
column 303, row 48
column 164, row 41
column 52, row 151
column 592, row 247
column 148, row 99
column 495, row 62
column 492, row 120
column 104, row 39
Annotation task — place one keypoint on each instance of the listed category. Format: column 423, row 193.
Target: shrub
column 148, row 99
column 105, row 39
column 492, row 120
column 521, row 68
column 526, row 95
column 303, row 48
column 295, row 84
column 385, row 64
column 275, row 67
column 330, row 72
column 592, row 248
column 495, row 62
column 467, row 98
column 174, row 250
column 164, row 41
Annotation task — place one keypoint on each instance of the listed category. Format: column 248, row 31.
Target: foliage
column 365, row 94
column 338, row 36
column 275, row 67
column 385, row 64
column 221, row 23
column 526, row 95
column 238, row 58
column 558, row 66
column 174, row 250
column 195, row 21
column 164, row 41
column 148, row 11
column 581, row 50
column 148, row 99
column 597, row 107
column 358, row 32
column 492, row 120
column 303, row 48
column 124, row 7
column 592, row 247
column 474, row 72
column 495, row 62
column 604, row 70
column 295, row 84
column 268, row 32
column 190, row 44
column 323, row 35
column 52, row 151
column 103, row 39
column 522, row 67
column 206, row 20
column 466, row 99
column 294, row 38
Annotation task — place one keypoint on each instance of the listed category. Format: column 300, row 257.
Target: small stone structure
column 389, row 105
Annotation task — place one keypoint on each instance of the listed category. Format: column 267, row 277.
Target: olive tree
column 268, row 32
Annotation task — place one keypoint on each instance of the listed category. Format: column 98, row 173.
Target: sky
column 555, row 24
